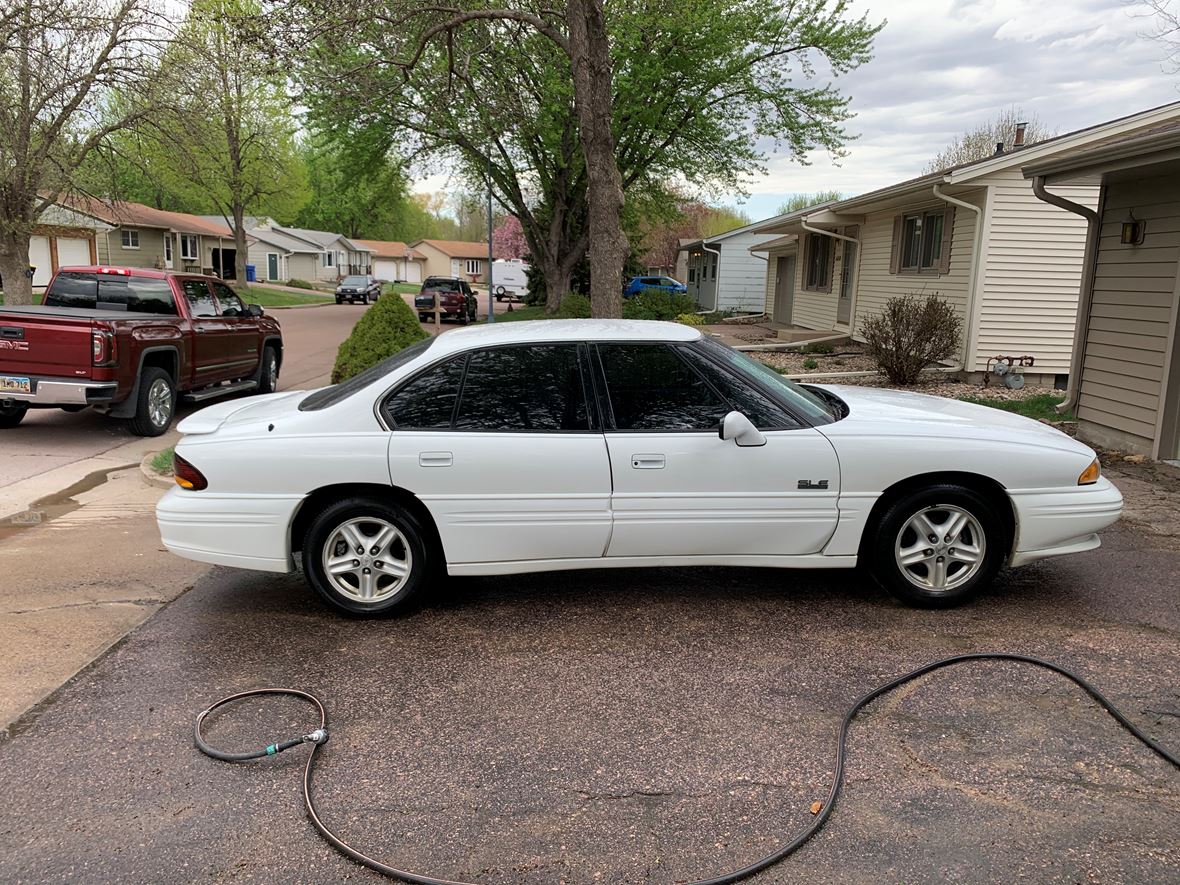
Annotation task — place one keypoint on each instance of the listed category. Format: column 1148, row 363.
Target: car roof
column 529, row 331
column 151, row 273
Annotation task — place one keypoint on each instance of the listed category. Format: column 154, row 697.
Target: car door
column 243, row 332
column 681, row 490
column 502, row 447
column 210, row 333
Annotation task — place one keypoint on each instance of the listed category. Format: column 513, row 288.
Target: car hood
column 883, row 412
column 239, row 411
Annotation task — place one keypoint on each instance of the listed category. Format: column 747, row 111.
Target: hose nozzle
column 319, row 736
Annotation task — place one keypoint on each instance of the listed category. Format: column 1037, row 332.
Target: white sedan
column 573, row 444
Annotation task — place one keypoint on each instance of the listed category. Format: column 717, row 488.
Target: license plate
column 8, row 384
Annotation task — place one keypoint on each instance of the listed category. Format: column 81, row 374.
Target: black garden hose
column 320, row 736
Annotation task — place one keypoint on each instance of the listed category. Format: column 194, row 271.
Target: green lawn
column 1043, row 405
column 401, row 289
column 520, row 313
column 268, row 297
column 37, row 296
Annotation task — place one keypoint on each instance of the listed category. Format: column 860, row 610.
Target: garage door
column 413, row 272
column 39, row 258
column 73, row 250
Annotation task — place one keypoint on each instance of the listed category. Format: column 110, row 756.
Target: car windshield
column 798, row 397
column 329, row 396
column 355, row 281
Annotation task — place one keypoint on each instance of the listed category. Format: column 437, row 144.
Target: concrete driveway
column 636, row 726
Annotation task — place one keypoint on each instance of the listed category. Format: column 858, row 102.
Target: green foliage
column 574, row 306
column 691, row 319
column 795, row 202
column 910, row 334
column 1042, row 406
column 817, row 347
column 162, row 461
column 810, row 364
column 300, row 284
column 657, row 304
column 979, row 142
column 384, row 329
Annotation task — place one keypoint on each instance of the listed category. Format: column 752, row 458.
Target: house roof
column 321, row 238
column 1158, row 144
column 779, row 243
column 283, row 241
column 391, row 249
column 123, row 213
column 456, row 248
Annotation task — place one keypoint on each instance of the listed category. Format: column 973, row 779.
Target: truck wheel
column 156, row 404
column 268, row 379
column 12, row 415
column 364, row 299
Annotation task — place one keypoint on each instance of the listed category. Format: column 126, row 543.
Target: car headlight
column 1090, row 474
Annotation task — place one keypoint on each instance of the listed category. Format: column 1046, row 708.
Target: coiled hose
column 320, row 736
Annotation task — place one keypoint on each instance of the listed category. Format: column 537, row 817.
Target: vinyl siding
column 149, row 254
column 1032, row 274
column 741, row 275
column 1131, row 317
column 437, row 263
column 303, row 266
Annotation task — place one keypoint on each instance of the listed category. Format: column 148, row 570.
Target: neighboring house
column 1125, row 382
column 135, row 235
column 974, row 235
column 722, row 273
column 395, row 262
column 62, row 237
column 453, row 258
column 278, row 257
column 338, row 255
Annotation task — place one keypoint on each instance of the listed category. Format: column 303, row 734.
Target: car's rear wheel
column 156, row 403
column 937, row 547
column 268, row 379
column 12, row 415
column 365, row 557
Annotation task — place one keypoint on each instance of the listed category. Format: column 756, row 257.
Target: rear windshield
column 329, row 396
column 110, row 292
column 441, row 285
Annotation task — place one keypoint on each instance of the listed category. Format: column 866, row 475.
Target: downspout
column 972, row 293
column 1085, row 292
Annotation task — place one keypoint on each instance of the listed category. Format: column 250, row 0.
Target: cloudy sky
column 941, row 66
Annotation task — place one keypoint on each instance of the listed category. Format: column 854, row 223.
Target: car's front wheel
column 365, row 557
column 937, row 547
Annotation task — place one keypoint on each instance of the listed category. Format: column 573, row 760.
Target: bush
column 910, row 334
column 657, row 304
column 573, row 307
column 810, row 364
column 817, row 347
column 300, row 284
column 691, row 319
column 384, row 329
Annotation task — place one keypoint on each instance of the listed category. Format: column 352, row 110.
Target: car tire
column 937, row 547
column 12, row 415
column 364, row 299
column 339, row 300
column 268, row 372
column 155, row 404
column 330, row 539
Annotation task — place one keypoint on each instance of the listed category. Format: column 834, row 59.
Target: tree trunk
column 593, row 95
column 14, row 263
column 240, row 256
column 557, row 283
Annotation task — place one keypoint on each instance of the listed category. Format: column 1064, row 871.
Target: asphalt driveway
column 636, row 726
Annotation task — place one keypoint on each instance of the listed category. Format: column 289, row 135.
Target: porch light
column 1133, row 230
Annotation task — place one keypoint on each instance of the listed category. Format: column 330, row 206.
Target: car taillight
column 103, row 346
column 186, row 475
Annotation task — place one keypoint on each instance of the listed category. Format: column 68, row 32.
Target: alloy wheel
column 367, row 559
column 940, row 548
column 160, row 403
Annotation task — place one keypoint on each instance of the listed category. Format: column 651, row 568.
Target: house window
column 188, row 247
column 329, row 259
column 474, row 265
column 817, row 271
column 713, row 268
column 922, row 242
column 167, row 250
column 130, row 238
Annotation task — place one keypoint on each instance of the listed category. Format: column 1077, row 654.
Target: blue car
column 667, row 284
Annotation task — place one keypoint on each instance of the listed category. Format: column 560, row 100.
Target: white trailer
column 510, row 279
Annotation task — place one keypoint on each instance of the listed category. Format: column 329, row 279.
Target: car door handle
column 435, row 459
column 647, row 462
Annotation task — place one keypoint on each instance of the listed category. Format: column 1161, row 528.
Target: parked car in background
column 456, row 300
column 358, row 288
column 128, row 341
column 666, row 284
column 510, row 279
column 574, row 444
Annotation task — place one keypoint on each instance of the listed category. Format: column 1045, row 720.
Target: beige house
column 395, row 261
column 1126, row 359
column 975, row 235
column 454, row 258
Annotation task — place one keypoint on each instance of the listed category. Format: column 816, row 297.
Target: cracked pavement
column 625, row 727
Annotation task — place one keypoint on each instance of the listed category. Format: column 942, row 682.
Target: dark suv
column 456, row 301
column 358, row 288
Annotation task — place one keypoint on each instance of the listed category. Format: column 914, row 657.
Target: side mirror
column 741, row 430
column 255, row 310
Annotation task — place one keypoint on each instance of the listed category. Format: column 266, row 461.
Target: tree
column 795, row 202
column 1165, row 28
column 508, row 240
column 689, row 220
column 576, row 106
column 979, row 142
column 356, row 189
column 60, row 62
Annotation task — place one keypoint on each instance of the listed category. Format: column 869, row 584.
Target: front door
column 784, row 289
column 499, row 446
column 681, row 490
column 847, row 275
column 272, row 266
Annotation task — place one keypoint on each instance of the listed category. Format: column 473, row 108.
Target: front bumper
column 244, row 531
column 47, row 392
column 1052, row 522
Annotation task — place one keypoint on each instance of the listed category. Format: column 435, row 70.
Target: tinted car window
column 200, row 301
column 111, row 292
column 802, row 400
column 651, row 388
column 441, row 285
column 329, row 396
column 764, row 412
column 427, row 402
column 229, row 300
column 523, row 388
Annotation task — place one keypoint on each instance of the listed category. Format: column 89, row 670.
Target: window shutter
column 948, row 229
column 895, row 250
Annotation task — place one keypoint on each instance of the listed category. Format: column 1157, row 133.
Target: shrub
column 573, row 307
column 691, row 319
column 817, row 347
column 300, row 284
column 910, row 334
column 810, row 364
column 657, row 304
column 384, row 329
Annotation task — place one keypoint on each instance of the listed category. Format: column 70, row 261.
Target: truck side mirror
column 255, row 310
column 741, row 430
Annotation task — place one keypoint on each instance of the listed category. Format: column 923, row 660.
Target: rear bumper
column 49, row 392
column 1052, row 522
column 244, row 531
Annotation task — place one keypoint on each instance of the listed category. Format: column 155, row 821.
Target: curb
column 153, row 478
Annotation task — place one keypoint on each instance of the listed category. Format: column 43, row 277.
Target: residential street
column 625, row 727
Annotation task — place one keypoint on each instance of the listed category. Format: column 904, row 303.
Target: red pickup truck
column 129, row 341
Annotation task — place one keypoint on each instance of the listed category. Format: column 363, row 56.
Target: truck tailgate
column 32, row 343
